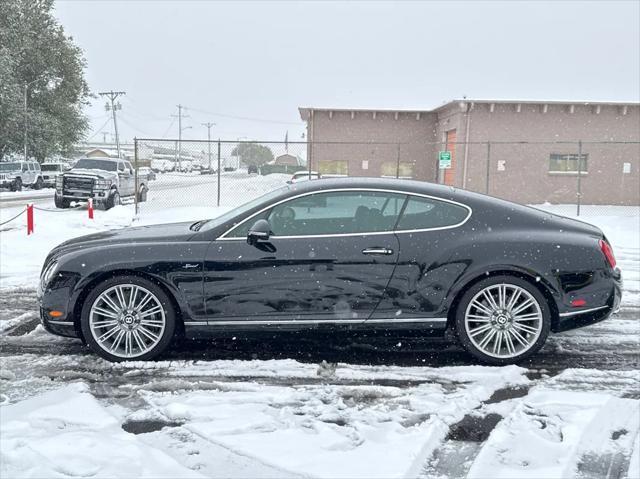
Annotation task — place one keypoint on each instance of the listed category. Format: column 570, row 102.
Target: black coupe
column 337, row 255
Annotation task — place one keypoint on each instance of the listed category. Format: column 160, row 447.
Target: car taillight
column 607, row 251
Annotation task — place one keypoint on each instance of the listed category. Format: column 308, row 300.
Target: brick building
column 525, row 151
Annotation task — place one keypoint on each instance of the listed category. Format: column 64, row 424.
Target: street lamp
column 26, row 123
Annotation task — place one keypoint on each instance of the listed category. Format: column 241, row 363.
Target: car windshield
column 90, row 164
column 9, row 166
column 50, row 168
column 239, row 211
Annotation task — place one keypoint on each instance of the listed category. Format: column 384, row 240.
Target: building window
column 334, row 167
column 403, row 170
column 560, row 163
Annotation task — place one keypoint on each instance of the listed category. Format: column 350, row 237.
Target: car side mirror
column 260, row 231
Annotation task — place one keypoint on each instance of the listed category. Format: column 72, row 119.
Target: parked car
column 16, row 174
column 252, row 169
column 341, row 255
column 50, row 171
column 304, row 175
column 105, row 180
column 147, row 173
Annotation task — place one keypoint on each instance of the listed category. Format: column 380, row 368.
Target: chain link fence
column 570, row 178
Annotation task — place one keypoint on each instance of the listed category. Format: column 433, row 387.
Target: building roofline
column 305, row 111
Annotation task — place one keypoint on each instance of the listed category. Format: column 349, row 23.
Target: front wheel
column 126, row 318
column 142, row 194
column 113, row 200
column 16, row 185
column 503, row 320
column 61, row 202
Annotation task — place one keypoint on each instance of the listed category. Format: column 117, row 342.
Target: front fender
column 162, row 263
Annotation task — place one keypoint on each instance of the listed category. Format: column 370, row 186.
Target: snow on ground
column 46, row 436
column 256, row 409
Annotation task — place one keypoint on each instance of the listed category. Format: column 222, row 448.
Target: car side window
column 425, row 213
column 120, row 166
column 338, row 212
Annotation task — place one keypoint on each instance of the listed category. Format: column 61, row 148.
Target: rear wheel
column 127, row 318
column 502, row 320
column 38, row 184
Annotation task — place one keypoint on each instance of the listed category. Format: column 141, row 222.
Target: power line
column 245, row 118
column 99, row 129
column 173, row 120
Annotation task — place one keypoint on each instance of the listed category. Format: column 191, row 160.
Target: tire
column 142, row 194
column 61, row 202
column 113, row 200
column 38, row 184
column 511, row 333
column 127, row 335
column 16, row 185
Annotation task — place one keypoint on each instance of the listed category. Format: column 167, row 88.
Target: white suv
column 16, row 174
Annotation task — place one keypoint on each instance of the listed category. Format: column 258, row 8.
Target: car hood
column 102, row 174
column 140, row 234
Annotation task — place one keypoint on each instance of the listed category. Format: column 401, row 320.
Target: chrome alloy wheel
column 127, row 320
column 503, row 320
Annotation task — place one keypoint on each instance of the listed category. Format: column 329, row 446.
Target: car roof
column 378, row 183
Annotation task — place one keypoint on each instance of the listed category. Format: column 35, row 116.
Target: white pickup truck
column 105, row 180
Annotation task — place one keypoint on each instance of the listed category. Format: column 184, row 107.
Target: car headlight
column 103, row 184
column 59, row 181
column 48, row 273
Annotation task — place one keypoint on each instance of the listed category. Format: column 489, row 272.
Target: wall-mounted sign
column 502, row 165
column 444, row 160
column 626, row 168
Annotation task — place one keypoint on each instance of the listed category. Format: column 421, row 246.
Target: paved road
column 45, row 196
column 40, row 197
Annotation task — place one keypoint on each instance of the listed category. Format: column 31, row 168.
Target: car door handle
column 386, row 251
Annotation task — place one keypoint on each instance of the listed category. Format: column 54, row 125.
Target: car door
column 27, row 174
column 125, row 185
column 329, row 259
column 427, row 231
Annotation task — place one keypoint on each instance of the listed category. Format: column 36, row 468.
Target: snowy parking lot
column 306, row 407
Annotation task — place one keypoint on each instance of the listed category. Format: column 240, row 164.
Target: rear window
column 425, row 213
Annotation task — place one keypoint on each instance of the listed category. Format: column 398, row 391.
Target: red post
column 90, row 208
column 29, row 219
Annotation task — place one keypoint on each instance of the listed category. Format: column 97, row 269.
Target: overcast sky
column 262, row 60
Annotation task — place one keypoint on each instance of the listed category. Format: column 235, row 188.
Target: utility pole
column 209, row 125
column 104, row 136
column 26, row 127
column 112, row 95
column 180, row 116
